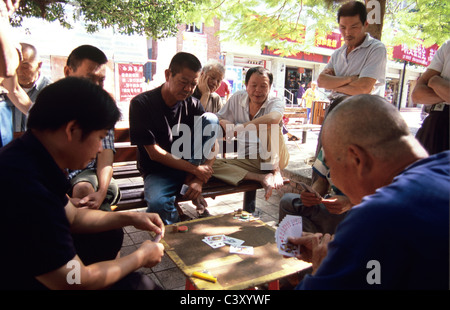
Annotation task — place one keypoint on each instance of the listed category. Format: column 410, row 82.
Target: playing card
column 290, row 226
column 184, row 189
column 232, row 241
column 308, row 188
column 243, row 249
column 214, row 238
column 214, row 241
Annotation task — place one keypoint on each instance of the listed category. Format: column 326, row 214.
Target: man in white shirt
column 357, row 67
column 254, row 118
column 433, row 88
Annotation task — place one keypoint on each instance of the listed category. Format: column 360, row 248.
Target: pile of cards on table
column 290, row 226
column 235, row 244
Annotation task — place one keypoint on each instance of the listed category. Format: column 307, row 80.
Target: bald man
column 31, row 80
column 397, row 234
column 10, row 56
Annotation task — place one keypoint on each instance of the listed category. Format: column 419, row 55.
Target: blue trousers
column 161, row 189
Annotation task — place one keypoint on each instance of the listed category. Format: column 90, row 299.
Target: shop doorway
column 297, row 80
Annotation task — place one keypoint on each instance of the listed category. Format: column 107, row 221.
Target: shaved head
column 366, row 120
column 366, row 143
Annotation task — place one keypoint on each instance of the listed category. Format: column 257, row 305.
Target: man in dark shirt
column 65, row 129
column 175, row 137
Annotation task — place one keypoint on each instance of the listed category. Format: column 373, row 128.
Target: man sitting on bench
column 255, row 119
column 174, row 137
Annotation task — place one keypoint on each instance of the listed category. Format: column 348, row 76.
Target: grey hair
column 214, row 64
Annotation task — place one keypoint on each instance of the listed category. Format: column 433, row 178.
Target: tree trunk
column 376, row 27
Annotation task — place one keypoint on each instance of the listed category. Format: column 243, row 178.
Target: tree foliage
column 283, row 25
column 153, row 18
column 428, row 20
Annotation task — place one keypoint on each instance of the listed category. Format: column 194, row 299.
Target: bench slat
column 132, row 186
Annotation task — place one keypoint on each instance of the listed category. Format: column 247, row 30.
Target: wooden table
column 233, row 271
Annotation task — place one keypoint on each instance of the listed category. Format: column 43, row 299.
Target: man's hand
column 195, row 187
column 278, row 180
column 337, row 204
column 200, row 203
column 91, row 201
column 149, row 222
column 310, row 199
column 153, row 253
column 203, row 172
column 313, row 247
column 203, row 84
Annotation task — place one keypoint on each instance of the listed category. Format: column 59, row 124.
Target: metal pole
column 402, row 81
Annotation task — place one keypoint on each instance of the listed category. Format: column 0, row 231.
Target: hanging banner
column 131, row 78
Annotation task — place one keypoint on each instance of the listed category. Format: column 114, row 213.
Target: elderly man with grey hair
column 211, row 77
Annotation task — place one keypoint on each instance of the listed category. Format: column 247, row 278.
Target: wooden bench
column 297, row 112
column 131, row 183
column 305, row 128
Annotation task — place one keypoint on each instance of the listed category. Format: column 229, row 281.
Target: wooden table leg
column 189, row 286
column 274, row 285
column 304, row 133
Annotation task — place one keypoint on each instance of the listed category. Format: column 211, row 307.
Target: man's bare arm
column 359, row 86
column 16, row 94
column 156, row 153
column 328, row 80
column 441, row 87
column 422, row 92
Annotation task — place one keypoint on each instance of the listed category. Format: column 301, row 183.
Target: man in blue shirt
column 400, row 221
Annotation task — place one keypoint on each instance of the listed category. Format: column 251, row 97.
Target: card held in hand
column 290, row 226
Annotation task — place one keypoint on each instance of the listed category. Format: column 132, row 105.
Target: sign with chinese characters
column 332, row 41
column 299, row 56
column 131, row 78
column 419, row 55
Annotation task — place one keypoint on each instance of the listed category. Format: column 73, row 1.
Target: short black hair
column 77, row 99
column 353, row 8
column 184, row 60
column 85, row 52
column 259, row 70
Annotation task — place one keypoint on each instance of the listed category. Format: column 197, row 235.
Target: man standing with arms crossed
column 433, row 89
column 357, row 67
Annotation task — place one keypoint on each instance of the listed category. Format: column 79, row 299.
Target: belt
column 439, row 107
